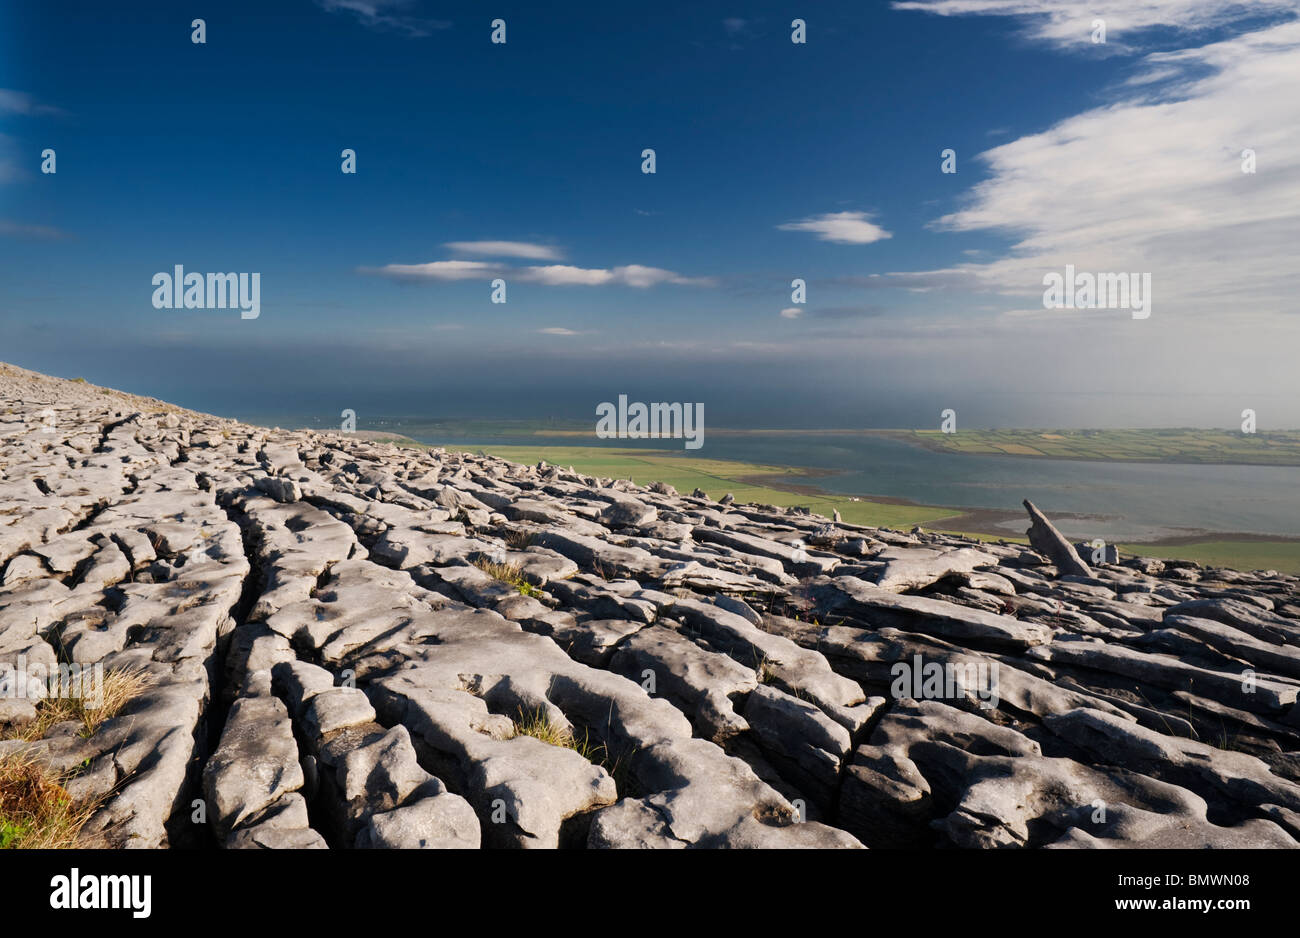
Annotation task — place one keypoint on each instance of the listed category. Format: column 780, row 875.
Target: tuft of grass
column 36, row 812
column 507, row 573
column 619, row 766
column 519, row 540
column 537, row 724
column 766, row 674
column 119, row 687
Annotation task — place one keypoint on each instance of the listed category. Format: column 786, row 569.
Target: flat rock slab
column 256, row 762
column 869, row 603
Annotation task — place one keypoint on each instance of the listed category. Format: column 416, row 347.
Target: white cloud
column 636, row 275
column 532, row 252
column 558, row 330
column 1069, row 22
column 551, row 275
column 439, row 270
column 792, row 312
column 840, row 228
column 632, row 275
column 565, row 275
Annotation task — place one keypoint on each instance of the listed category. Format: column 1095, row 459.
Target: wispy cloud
column 631, row 275
column 10, row 168
column 523, row 249
column 560, row 330
column 1069, row 22
column 13, row 229
column 847, row 312
column 386, row 14
column 19, row 102
column 833, row 312
column 551, row 275
column 840, row 228
column 438, row 270
column 1153, row 182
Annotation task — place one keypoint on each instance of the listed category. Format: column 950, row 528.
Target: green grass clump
column 537, row 724
column 507, row 573
column 36, row 812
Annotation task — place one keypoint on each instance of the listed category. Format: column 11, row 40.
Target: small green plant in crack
column 507, row 573
column 764, row 670
column 620, row 769
column 804, row 696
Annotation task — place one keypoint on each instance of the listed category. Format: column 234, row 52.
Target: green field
column 1280, row 448
column 716, row 477
column 1283, row 556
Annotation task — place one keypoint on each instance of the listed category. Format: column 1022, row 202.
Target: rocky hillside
column 336, row 642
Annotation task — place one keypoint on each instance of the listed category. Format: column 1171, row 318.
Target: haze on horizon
column 774, row 161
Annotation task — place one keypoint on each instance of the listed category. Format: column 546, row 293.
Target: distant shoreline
column 1152, row 446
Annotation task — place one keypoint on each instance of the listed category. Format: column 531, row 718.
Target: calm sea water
column 1134, row 500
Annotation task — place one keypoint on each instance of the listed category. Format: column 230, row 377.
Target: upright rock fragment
column 1045, row 539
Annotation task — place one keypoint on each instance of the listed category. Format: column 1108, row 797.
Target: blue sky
column 775, row 161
